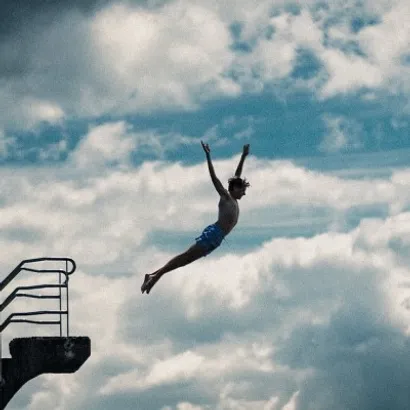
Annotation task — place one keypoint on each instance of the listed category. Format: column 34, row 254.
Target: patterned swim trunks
column 210, row 238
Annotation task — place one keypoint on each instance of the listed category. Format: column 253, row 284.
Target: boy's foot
column 144, row 285
column 149, row 282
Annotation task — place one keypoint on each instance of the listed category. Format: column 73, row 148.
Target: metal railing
column 15, row 317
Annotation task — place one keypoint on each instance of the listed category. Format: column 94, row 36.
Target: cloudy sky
column 306, row 305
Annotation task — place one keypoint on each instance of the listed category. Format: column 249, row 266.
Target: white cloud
column 302, row 29
column 329, row 36
column 382, row 43
column 342, row 134
column 271, row 59
column 386, row 42
column 53, row 151
column 172, row 58
column 104, row 144
column 291, row 405
column 35, row 111
column 348, row 73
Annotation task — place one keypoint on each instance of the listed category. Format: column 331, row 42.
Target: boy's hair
column 237, row 181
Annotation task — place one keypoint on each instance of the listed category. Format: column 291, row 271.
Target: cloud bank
column 293, row 323
column 120, row 58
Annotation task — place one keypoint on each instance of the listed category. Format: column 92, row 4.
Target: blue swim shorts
column 210, row 238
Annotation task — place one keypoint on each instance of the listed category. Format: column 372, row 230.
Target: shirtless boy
column 212, row 235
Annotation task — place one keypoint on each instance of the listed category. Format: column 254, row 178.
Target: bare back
column 228, row 213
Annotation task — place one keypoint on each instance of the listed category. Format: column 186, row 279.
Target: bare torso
column 228, row 214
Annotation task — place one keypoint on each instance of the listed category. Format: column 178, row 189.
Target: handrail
column 20, row 267
column 14, row 294
column 41, row 312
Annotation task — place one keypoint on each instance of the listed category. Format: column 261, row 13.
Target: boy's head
column 237, row 186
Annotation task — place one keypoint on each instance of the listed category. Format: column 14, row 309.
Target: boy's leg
column 175, row 263
column 193, row 253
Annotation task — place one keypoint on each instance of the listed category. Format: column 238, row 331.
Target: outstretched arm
column 208, row 158
column 245, row 152
column 217, row 183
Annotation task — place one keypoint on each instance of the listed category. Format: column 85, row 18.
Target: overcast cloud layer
column 306, row 306
column 96, row 58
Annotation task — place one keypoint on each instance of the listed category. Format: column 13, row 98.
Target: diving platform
column 34, row 356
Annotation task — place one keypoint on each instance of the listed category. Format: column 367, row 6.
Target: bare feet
column 149, row 282
column 144, row 285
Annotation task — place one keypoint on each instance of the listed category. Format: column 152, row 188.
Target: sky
column 103, row 105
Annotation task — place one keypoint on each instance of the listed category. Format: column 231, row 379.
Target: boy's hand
column 206, row 148
column 245, row 151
